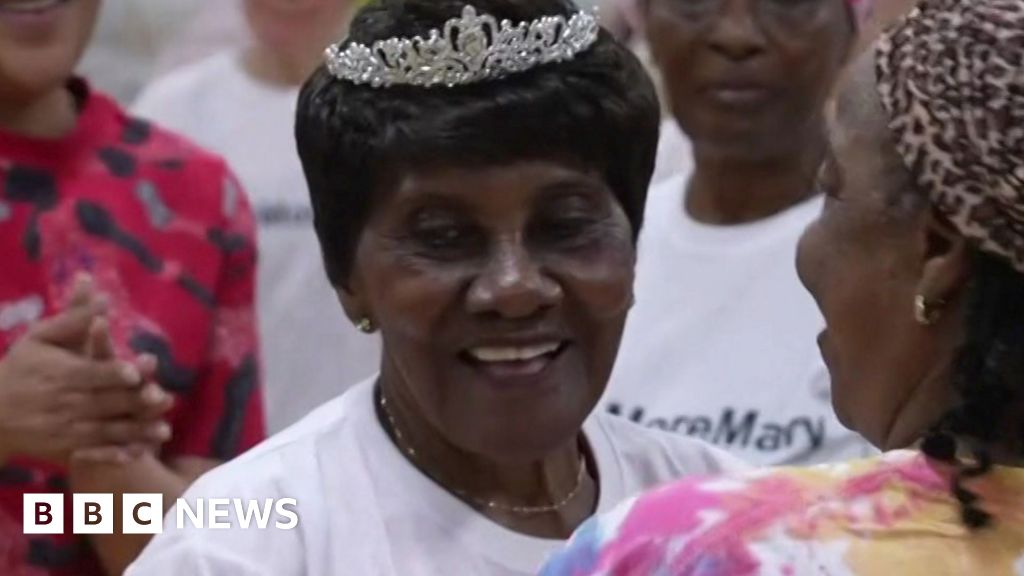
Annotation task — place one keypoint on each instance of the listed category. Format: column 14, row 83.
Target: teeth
column 512, row 354
column 29, row 5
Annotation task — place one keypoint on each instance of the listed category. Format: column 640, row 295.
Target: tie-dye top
column 889, row 515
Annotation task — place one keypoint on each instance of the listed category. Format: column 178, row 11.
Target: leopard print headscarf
column 951, row 76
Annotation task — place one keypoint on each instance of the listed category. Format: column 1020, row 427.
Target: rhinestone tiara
column 470, row 49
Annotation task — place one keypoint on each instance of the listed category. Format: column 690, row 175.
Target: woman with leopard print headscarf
column 917, row 262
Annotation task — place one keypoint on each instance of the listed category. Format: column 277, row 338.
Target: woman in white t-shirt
column 478, row 205
column 240, row 103
column 721, row 343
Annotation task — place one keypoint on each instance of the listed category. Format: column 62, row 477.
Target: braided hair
column 988, row 375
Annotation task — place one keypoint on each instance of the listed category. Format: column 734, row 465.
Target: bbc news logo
column 144, row 513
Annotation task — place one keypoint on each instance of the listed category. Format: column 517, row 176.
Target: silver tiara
column 471, row 49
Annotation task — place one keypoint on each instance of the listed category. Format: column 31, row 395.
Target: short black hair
column 599, row 110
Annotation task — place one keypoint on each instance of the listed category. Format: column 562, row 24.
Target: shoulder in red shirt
column 167, row 233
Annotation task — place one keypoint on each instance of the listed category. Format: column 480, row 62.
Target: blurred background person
column 129, row 358
column 625, row 18
column 130, row 37
column 241, row 103
column 617, row 16
column 215, row 26
column 720, row 344
column 138, row 40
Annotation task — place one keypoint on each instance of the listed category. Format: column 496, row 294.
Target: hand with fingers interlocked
column 64, row 395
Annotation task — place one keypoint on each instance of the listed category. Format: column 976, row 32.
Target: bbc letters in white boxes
column 144, row 514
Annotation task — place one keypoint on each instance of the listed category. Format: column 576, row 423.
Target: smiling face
column 501, row 294
column 41, row 42
column 739, row 73
column 864, row 260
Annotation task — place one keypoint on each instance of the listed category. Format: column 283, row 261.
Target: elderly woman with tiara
column 478, row 175
column 917, row 262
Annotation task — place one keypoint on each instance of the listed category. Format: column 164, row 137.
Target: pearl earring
column 365, row 326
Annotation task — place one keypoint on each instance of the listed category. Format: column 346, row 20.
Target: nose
column 512, row 285
column 736, row 34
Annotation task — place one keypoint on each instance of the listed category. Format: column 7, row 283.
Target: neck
column 52, row 116
column 924, row 406
column 729, row 190
column 931, row 401
column 478, row 479
column 280, row 68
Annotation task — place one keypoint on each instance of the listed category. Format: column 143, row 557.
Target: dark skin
column 883, row 14
column 864, row 261
column 66, row 398
column 458, row 264
column 35, row 64
column 747, row 81
column 102, row 470
column 58, row 404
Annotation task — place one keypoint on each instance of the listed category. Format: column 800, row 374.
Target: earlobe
column 356, row 309
column 945, row 270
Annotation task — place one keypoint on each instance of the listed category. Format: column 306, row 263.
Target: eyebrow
column 574, row 184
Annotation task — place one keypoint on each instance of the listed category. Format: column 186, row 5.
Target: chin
column 843, row 413
column 27, row 73
column 737, row 140
column 534, row 439
column 847, row 419
column 520, row 428
column 28, row 86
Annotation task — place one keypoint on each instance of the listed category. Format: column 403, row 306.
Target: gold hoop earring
column 927, row 312
column 365, row 326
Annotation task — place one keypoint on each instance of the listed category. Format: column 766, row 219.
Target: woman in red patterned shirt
column 128, row 358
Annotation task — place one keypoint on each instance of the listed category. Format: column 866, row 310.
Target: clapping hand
column 63, row 394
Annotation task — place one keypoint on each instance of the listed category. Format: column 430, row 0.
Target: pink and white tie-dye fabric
column 889, row 515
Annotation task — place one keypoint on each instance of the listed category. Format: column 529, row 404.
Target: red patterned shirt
column 167, row 233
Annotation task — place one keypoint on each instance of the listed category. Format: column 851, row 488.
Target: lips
column 513, row 361
column 737, row 93
column 490, row 354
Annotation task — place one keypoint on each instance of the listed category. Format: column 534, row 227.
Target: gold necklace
column 406, row 447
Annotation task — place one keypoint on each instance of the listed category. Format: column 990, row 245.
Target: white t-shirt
column 311, row 352
column 675, row 154
column 364, row 510
column 721, row 343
